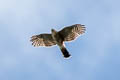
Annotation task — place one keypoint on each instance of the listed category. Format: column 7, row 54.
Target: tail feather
column 65, row 52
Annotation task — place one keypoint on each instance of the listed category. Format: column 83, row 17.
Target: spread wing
column 42, row 40
column 72, row 32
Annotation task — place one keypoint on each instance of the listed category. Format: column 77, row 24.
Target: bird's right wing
column 42, row 40
column 72, row 32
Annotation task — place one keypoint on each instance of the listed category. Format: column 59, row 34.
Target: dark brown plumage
column 68, row 33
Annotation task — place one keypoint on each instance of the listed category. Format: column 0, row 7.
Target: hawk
column 68, row 33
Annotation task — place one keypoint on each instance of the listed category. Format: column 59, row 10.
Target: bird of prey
column 68, row 33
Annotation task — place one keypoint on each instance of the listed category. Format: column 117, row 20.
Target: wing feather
column 42, row 40
column 72, row 32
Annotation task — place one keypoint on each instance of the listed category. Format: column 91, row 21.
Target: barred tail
column 65, row 52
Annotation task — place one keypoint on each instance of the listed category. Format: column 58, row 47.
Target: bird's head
column 53, row 31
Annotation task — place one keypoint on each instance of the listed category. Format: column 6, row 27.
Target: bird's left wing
column 72, row 32
column 42, row 40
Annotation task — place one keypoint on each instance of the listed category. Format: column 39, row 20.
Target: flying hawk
column 68, row 33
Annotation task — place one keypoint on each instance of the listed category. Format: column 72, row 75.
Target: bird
column 67, row 34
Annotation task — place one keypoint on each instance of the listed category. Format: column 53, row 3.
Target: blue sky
column 95, row 55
